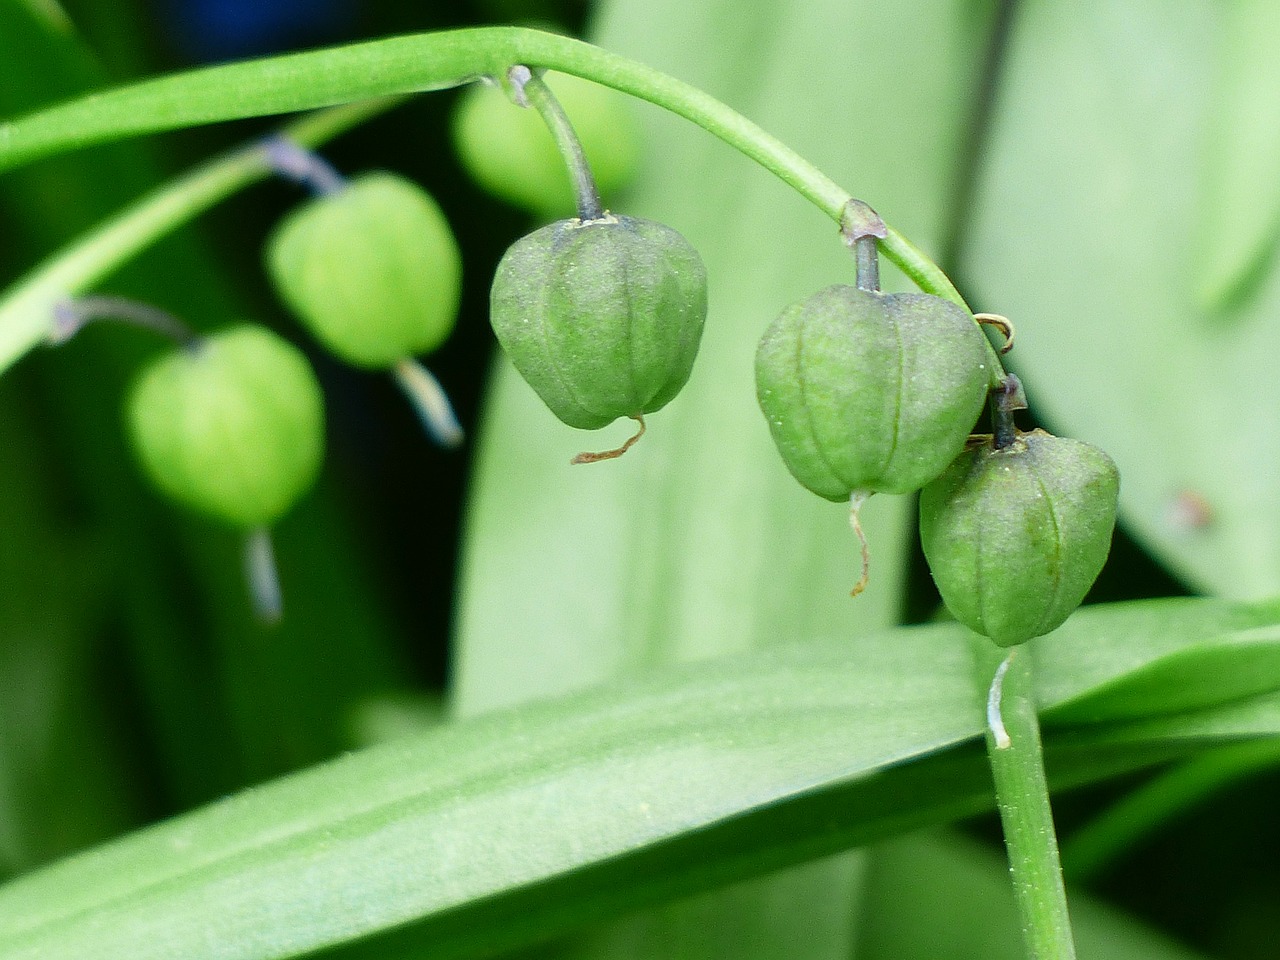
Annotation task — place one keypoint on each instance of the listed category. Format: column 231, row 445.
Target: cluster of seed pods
column 863, row 391
column 870, row 392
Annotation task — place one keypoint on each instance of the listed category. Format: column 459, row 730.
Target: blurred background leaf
column 1090, row 232
column 207, row 699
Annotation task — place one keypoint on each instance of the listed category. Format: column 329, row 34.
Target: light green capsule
column 870, row 392
column 1016, row 537
column 508, row 151
column 233, row 428
column 602, row 318
column 372, row 270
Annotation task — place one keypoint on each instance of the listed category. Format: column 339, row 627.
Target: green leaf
column 1175, row 656
column 1240, row 199
column 1088, row 234
column 513, row 827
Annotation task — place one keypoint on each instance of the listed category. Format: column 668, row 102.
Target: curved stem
column 72, row 315
column 430, row 402
column 410, row 64
column 26, row 309
column 1022, row 795
column 304, row 167
column 540, row 97
column 414, row 63
column 396, row 65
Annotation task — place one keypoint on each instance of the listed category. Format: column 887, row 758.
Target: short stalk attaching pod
column 1004, row 401
column 430, row 402
column 295, row 162
column 529, row 89
column 263, row 576
column 72, row 315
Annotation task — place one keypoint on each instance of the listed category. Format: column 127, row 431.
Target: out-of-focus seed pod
column 1016, row 536
column 233, row 428
column 601, row 317
column 373, row 270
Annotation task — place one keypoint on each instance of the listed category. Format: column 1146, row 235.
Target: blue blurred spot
column 210, row 30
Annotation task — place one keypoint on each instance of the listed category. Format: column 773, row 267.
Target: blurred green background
column 1099, row 172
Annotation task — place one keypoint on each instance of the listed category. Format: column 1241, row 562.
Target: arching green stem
column 400, row 65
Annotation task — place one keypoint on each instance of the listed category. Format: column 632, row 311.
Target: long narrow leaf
column 509, row 826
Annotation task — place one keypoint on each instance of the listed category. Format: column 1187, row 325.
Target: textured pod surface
column 508, row 150
column 372, row 270
column 870, row 391
column 234, row 429
column 603, row 317
column 1016, row 537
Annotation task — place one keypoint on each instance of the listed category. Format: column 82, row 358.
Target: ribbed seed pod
column 601, row 317
column 1015, row 537
column 870, row 392
column 373, row 270
column 233, row 428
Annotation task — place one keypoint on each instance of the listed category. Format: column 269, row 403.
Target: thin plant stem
column 412, row 64
column 868, row 263
column 346, row 74
column 72, row 315
column 429, row 401
column 1022, row 796
column 295, row 162
column 539, row 96
column 26, row 308
column 263, row 576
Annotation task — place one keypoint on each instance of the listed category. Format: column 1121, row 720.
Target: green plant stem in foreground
column 26, row 309
column 416, row 63
column 1022, row 796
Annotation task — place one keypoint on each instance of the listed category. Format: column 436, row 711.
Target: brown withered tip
column 613, row 454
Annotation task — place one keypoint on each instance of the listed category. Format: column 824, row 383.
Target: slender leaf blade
column 521, row 824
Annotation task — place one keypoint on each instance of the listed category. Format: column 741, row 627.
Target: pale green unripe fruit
column 871, row 392
column 1016, row 537
column 372, row 270
column 509, row 152
column 602, row 318
column 233, row 428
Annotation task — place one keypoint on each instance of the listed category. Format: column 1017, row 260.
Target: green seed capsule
column 870, row 392
column 601, row 317
column 1015, row 537
column 233, row 428
column 509, row 152
column 373, row 270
